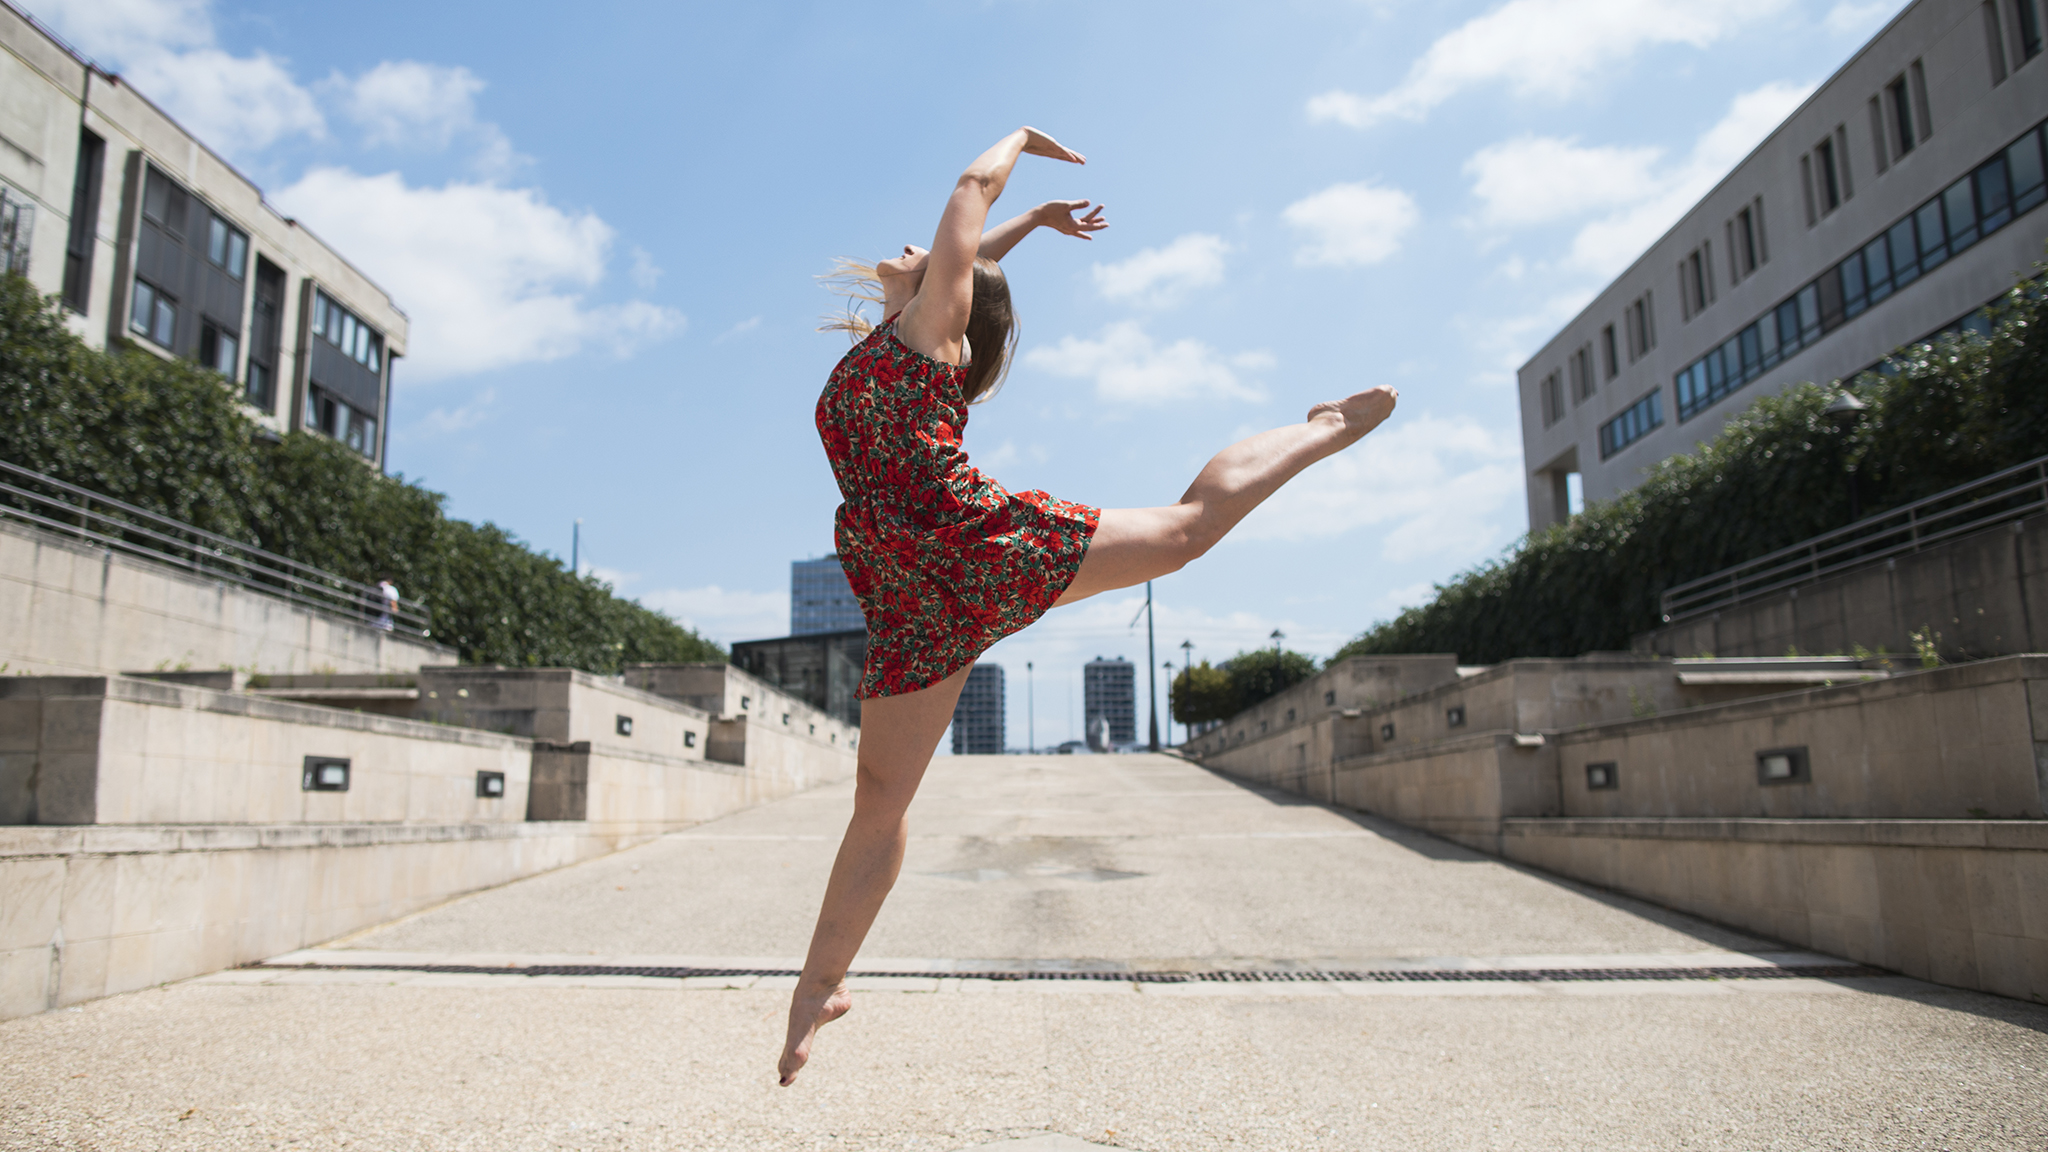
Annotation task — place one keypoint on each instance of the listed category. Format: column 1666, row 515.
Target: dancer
column 944, row 560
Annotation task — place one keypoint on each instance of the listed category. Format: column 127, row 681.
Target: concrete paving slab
column 1214, row 877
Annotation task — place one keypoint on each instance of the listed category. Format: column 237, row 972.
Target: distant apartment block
column 978, row 717
column 1109, row 703
column 1896, row 202
column 820, row 599
column 154, row 242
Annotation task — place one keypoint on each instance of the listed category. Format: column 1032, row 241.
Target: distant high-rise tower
column 1109, row 694
column 820, row 599
column 978, row 717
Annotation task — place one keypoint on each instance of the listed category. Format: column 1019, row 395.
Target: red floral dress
column 945, row 560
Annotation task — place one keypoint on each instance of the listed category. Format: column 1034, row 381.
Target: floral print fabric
column 945, row 560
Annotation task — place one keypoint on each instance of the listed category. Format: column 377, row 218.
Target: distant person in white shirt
column 390, row 593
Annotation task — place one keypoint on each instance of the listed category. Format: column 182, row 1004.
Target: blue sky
column 605, row 220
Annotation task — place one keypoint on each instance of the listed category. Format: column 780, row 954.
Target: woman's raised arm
column 936, row 319
column 1059, row 215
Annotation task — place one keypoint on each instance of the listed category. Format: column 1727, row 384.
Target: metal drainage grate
column 1226, row 976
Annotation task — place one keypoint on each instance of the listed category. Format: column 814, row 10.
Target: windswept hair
column 991, row 321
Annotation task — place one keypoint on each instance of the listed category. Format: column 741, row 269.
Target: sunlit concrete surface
column 1112, row 863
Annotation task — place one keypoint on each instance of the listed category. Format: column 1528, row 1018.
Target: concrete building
column 154, row 242
column 978, row 717
column 823, row 669
column 1893, row 204
column 820, row 599
column 1109, row 703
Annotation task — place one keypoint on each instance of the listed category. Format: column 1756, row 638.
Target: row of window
column 1980, row 203
column 333, row 417
column 1635, row 422
column 2017, row 20
column 339, row 327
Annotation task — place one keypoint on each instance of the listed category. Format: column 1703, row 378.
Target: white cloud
column 645, row 273
column 491, row 276
column 1544, row 48
column 1159, row 277
column 442, row 421
column 412, row 105
column 738, row 330
column 724, row 615
column 1607, row 245
column 1430, row 486
column 1352, row 224
column 1128, row 367
column 1537, row 179
column 165, row 48
column 1860, row 20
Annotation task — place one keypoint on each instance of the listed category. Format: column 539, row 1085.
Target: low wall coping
column 2018, row 835
column 140, row 839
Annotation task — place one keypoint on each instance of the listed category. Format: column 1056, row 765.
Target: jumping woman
column 945, row 560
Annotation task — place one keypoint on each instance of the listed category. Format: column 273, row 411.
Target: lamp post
column 576, row 547
column 1169, row 702
column 1030, row 711
column 1845, row 412
column 1151, row 665
column 1187, row 658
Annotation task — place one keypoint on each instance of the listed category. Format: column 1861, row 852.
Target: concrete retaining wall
column 1962, row 902
column 67, row 608
column 1986, row 594
column 114, row 750
column 98, row 910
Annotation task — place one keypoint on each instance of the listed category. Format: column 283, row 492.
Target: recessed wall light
column 1329, row 699
column 1387, row 730
column 490, row 785
column 689, row 739
column 1454, row 716
column 1290, row 715
column 1783, row 766
column 624, row 726
column 324, row 774
column 1603, row 777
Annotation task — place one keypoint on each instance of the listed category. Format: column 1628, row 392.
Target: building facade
column 154, row 242
column 1895, row 203
column 823, row 669
column 820, row 599
column 978, row 716
column 1109, row 703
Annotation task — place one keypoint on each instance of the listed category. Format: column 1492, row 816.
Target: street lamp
column 1030, row 711
column 1845, row 412
column 1169, row 702
column 1187, row 658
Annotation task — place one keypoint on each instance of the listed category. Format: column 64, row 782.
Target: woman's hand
column 1039, row 144
column 1062, row 216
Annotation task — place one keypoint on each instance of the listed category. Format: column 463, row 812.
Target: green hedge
column 167, row 436
column 1956, row 409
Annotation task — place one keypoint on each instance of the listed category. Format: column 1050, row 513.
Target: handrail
column 58, row 506
column 2002, row 496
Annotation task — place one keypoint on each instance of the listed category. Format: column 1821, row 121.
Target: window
column 1552, row 389
column 1581, row 365
column 1830, row 182
column 1696, row 281
column 2029, row 26
column 331, row 417
column 1642, row 329
column 219, row 349
column 1635, row 422
column 85, row 216
column 1995, row 41
column 153, row 314
column 227, row 247
column 1609, row 360
column 2001, row 188
column 339, row 327
column 1899, row 103
column 265, row 331
column 17, row 226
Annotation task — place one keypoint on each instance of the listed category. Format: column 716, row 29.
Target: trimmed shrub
column 165, row 435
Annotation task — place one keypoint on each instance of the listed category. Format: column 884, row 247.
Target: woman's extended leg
column 1133, row 545
column 897, row 737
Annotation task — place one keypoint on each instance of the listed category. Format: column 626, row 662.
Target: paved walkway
column 1107, row 866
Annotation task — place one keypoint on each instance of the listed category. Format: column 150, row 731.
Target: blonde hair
column 991, row 322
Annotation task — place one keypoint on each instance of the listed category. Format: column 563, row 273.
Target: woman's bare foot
column 1356, row 414
column 810, row 1009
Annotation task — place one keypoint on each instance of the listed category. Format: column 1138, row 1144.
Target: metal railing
column 2016, row 492
column 80, row 513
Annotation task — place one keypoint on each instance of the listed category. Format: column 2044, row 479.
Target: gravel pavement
column 1108, row 863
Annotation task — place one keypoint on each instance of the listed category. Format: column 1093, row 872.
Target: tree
column 1201, row 694
column 1265, row 672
